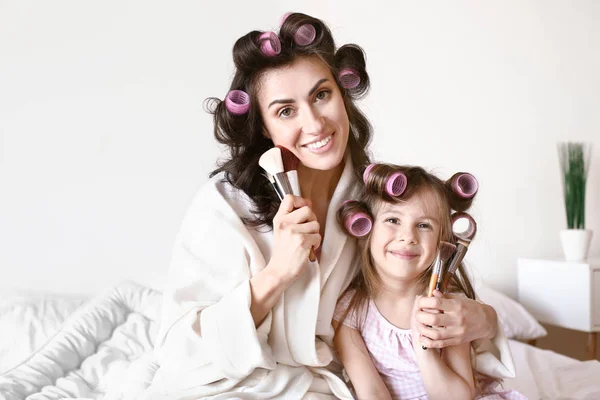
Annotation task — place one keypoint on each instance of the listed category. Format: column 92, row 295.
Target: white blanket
column 104, row 351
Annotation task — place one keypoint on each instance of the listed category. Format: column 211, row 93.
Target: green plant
column 574, row 163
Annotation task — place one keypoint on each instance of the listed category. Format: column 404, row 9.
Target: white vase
column 575, row 243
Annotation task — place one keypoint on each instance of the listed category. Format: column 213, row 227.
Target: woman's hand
column 296, row 230
column 449, row 320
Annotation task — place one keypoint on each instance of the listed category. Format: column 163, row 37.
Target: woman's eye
column 285, row 112
column 323, row 94
column 393, row 220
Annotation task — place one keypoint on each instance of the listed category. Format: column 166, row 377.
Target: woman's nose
column 313, row 123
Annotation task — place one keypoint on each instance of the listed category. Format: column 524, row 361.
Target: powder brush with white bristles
column 281, row 165
column 272, row 163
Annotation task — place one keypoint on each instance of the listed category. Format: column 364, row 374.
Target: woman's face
column 303, row 110
column 405, row 237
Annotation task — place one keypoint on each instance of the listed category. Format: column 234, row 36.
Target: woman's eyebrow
column 310, row 93
column 314, row 88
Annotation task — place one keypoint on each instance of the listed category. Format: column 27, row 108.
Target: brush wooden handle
column 312, row 256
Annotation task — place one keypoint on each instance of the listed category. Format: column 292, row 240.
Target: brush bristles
column 271, row 161
column 290, row 161
column 446, row 251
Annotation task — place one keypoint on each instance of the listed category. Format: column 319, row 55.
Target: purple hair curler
column 359, row 224
column 346, row 202
column 396, row 184
column 464, row 184
column 283, row 18
column 367, row 172
column 269, row 44
column 349, row 78
column 305, row 35
column 463, row 225
column 237, row 102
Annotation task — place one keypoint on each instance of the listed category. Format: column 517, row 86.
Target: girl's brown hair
column 244, row 134
column 367, row 282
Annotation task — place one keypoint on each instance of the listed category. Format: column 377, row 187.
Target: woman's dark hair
column 243, row 134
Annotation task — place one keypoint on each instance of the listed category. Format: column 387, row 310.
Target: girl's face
column 303, row 110
column 405, row 237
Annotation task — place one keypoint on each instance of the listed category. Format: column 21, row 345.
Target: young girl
column 402, row 216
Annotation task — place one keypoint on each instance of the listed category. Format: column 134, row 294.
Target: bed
column 55, row 347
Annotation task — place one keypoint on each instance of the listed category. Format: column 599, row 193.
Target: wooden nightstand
column 563, row 293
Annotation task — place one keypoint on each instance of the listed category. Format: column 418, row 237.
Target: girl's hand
column 296, row 230
column 453, row 319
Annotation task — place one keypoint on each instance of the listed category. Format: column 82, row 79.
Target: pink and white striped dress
column 392, row 353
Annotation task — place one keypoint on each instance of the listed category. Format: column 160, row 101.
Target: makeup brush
column 290, row 167
column 444, row 253
column 464, row 228
column 272, row 161
column 272, row 180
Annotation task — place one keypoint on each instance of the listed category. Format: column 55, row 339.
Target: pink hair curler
column 305, row 35
column 283, row 18
column 346, row 202
column 464, row 184
column 269, row 44
column 349, row 78
column 367, row 172
column 396, row 184
column 359, row 224
column 237, row 102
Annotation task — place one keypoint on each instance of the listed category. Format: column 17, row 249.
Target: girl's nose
column 407, row 235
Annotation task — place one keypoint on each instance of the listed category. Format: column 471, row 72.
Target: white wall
column 103, row 140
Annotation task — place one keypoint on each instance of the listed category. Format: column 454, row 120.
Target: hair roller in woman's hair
column 396, row 184
column 349, row 78
column 237, row 102
column 367, row 172
column 464, row 185
column 305, row 35
column 358, row 224
column 269, row 44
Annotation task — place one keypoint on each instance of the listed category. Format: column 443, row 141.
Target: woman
column 244, row 311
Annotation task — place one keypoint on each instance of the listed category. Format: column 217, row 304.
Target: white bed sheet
column 28, row 321
column 544, row 374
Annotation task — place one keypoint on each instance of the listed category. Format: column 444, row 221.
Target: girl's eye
column 424, row 226
column 323, row 94
column 393, row 220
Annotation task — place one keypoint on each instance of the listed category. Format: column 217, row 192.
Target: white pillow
column 517, row 322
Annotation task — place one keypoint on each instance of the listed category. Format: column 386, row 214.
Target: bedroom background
column 103, row 139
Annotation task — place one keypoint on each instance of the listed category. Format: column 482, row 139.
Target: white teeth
column 319, row 144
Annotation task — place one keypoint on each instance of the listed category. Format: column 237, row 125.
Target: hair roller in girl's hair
column 463, row 184
column 237, row 102
column 396, row 184
column 283, row 18
column 349, row 78
column 269, row 44
column 358, row 224
column 367, row 172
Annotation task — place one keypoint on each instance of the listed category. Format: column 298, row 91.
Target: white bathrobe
column 290, row 354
